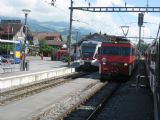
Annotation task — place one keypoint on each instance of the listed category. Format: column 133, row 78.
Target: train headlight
column 104, row 60
column 125, row 64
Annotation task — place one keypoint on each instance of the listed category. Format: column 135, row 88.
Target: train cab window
column 87, row 49
column 122, row 51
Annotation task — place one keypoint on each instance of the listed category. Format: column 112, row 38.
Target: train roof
column 118, row 40
column 92, row 42
column 106, row 38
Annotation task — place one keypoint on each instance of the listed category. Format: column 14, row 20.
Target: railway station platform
column 31, row 107
column 132, row 102
column 38, row 70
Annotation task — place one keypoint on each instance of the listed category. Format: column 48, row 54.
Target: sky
column 110, row 23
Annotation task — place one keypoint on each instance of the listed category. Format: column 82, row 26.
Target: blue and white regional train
column 89, row 54
column 153, row 71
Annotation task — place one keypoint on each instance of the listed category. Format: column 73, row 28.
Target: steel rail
column 103, row 103
column 24, row 91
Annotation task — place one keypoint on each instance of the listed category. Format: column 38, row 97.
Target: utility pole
column 26, row 12
column 70, row 32
column 140, row 23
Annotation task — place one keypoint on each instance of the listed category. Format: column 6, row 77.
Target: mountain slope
column 51, row 26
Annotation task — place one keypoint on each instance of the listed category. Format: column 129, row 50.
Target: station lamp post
column 26, row 12
column 70, row 34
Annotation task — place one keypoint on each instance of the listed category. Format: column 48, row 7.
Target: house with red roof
column 52, row 39
column 11, row 30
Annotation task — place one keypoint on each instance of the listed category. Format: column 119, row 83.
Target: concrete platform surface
column 35, row 64
column 38, row 70
column 26, row 108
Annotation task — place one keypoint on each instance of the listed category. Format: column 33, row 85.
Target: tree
column 6, row 48
column 45, row 48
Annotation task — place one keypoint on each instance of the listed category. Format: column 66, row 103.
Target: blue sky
column 153, row 3
column 109, row 23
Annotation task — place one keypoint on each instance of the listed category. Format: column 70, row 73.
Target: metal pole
column 26, row 11
column 139, row 54
column 25, row 24
column 140, row 23
column 70, row 31
column 139, row 44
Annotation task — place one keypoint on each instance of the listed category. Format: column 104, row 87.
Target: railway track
column 63, row 107
column 94, row 108
column 18, row 93
column 90, row 109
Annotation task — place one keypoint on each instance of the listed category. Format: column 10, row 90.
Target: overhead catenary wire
column 158, row 31
column 88, row 1
column 64, row 11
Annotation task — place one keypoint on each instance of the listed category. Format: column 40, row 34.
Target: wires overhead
column 51, row 3
column 125, row 4
column 88, row 2
column 158, row 31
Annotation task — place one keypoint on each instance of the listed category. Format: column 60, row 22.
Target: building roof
column 10, row 27
column 56, row 43
column 47, row 35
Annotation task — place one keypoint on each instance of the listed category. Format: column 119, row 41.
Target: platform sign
column 17, row 52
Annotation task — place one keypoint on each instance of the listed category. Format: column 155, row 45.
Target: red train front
column 117, row 57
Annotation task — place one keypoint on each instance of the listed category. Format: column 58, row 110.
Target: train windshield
column 88, row 51
column 116, row 51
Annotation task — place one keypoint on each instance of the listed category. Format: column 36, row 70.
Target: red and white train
column 89, row 54
column 153, row 71
column 116, row 57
